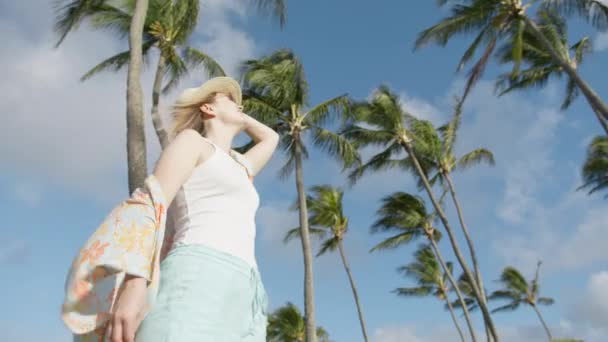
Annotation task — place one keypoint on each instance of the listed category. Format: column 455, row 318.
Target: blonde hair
column 188, row 115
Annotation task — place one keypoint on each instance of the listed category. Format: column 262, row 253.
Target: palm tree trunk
column 156, row 119
column 447, row 300
column 543, row 322
column 484, row 308
column 136, row 138
column 467, row 236
column 309, row 306
column 454, row 284
column 599, row 107
column 352, row 286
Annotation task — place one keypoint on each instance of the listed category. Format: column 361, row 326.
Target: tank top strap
column 239, row 158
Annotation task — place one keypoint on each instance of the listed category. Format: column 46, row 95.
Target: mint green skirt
column 206, row 295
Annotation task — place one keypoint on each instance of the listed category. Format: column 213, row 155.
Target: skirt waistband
column 202, row 250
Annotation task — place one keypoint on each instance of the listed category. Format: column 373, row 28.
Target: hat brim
column 222, row 84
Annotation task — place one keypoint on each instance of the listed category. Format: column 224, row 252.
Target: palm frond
column 470, row 52
column 545, row 301
column 328, row 110
column 475, row 157
column 581, row 48
column 258, row 107
column 336, row 146
column 115, row 62
column 463, row 19
column 512, row 279
column 508, row 307
column 594, row 11
column 176, row 69
column 479, row 67
column 394, row 241
column 113, row 19
column 413, row 291
column 595, row 168
column 69, row 14
column 328, row 245
column 196, row 58
column 276, row 8
column 380, row 161
column 572, row 92
column 518, row 46
column 363, row 137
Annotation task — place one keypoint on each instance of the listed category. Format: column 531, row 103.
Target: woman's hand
column 129, row 311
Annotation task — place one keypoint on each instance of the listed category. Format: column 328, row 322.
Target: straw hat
column 222, row 84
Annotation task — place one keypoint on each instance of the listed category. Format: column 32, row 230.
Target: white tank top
column 216, row 206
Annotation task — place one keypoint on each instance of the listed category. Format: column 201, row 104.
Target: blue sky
column 63, row 167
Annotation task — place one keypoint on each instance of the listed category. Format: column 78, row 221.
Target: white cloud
column 422, row 109
column 576, row 224
column 520, row 133
column 591, row 309
column 395, row 334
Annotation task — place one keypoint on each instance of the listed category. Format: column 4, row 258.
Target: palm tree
column 168, row 27
column 69, row 14
column 407, row 216
column 383, row 122
column 431, row 280
column 595, row 169
column 286, row 324
column 276, row 93
column 518, row 291
column 327, row 217
column 541, row 66
column 506, row 20
column 438, row 153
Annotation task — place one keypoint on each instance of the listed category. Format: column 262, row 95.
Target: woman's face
column 224, row 108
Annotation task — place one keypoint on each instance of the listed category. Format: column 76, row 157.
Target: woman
column 210, row 287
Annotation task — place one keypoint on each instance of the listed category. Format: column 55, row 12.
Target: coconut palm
column 438, row 152
column 286, row 324
column 383, row 122
column 518, row 291
column 595, row 169
column 276, row 93
column 540, row 65
column 326, row 217
column 496, row 21
column 168, row 26
column 431, row 280
column 406, row 215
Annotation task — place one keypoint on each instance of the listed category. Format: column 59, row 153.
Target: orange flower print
column 82, row 289
column 93, row 252
column 132, row 239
